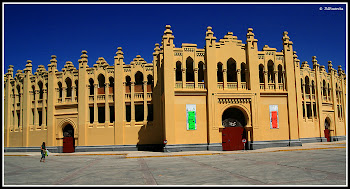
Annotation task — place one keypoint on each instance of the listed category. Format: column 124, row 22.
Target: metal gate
column 232, row 138
column 327, row 135
column 68, row 144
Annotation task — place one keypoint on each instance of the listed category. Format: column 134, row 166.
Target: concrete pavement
column 148, row 154
column 311, row 164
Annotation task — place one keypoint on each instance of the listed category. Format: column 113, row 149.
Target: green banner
column 191, row 116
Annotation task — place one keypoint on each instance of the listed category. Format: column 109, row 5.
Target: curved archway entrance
column 68, row 139
column 234, row 122
column 327, row 131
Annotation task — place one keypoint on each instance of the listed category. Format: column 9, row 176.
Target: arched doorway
column 68, row 139
column 327, row 131
column 234, row 122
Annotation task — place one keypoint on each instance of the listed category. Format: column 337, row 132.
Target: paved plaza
column 284, row 166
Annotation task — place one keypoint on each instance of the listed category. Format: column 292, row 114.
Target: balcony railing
column 127, row 96
column 178, row 84
column 189, row 85
column 100, row 97
column 271, row 86
column 91, row 98
column 138, row 96
column 220, row 85
column 232, row 85
column 244, row 85
column 149, row 96
column 201, row 85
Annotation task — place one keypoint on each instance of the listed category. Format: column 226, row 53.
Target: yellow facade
column 139, row 105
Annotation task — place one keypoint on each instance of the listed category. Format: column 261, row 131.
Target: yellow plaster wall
column 36, row 138
column 184, row 136
column 100, row 136
column 264, row 132
column 16, row 139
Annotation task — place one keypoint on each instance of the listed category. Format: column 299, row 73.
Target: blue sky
column 37, row 31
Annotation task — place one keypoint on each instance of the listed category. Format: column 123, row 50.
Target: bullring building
column 226, row 96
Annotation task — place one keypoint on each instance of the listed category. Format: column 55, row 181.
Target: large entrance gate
column 68, row 139
column 327, row 133
column 233, row 133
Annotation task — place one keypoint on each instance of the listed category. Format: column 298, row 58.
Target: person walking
column 43, row 149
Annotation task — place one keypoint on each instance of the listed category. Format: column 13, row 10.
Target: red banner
column 274, row 119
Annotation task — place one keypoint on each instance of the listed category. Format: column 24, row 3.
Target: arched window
column 101, row 84
column 19, row 93
column 337, row 92
column 324, row 88
column 33, row 89
column 69, row 87
column 231, row 71
column 111, row 85
column 313, row 86
column 139, row 82
column 127, row 84
column 243, row 69
column 178, row 71
column 200, row 71
column 59, row 89
column 91, row 86
column 307, row 85
column 329, row 91
column 261, row 74
column 47, row 88
column 189, row 70
column 280, row 74
column 76, row 88
column 149, row 83
column 219, row 72
column 270, row 72
column 301, row 84
column 41, row 91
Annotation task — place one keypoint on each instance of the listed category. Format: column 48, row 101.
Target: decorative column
column 21, row 111
column 106, row 103
column 247, row 79
column 145, row 102
column 15, row 120
column 44, row 108
column 266, row 80
column 36, row 117
column 224, row 77
column 64, row 89
column 238, row 74
column 195, row 78
column 183, row 77
column 275, row 80
column 95, row 104
column 304, row 100
column 284, row 79
column 73, row 92
column 132, row 102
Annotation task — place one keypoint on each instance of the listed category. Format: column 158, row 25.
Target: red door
column 327, row 135
column 68, row 144
column 232, row 138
